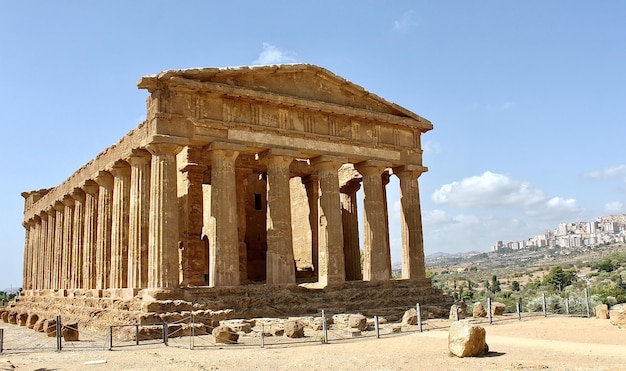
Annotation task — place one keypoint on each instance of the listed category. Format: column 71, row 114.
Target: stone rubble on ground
column 467, row 340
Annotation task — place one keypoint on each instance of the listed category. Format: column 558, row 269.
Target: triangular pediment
column 304, row 81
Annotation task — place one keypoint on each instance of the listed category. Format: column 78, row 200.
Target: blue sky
column 527, row 99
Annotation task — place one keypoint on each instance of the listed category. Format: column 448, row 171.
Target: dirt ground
column 535, row 343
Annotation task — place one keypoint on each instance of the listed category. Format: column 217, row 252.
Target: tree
column 558, row 278
column 515, row 285
column 495, row 284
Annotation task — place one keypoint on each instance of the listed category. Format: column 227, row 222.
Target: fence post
column 136, row 334
column 192, row 331
column 324, row 327
column 59, row 334
column 376, row 328
column 543, row 304
column 489, row 315
column 1, row 340
column 567, row 306
column 456, row 313
column 110, row 337
column 262, row 335
column 165, row 333
column 419, row 316
column 587, row 302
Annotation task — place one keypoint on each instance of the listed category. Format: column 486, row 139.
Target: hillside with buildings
column 604, row 230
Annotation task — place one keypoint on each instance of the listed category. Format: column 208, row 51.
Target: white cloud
column 406, row 22
column 611, row 172
column 614, row 207
column 273, row 55
column 431, row 147
column 488, row 190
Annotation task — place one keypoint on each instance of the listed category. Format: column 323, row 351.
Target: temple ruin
column 237, row 192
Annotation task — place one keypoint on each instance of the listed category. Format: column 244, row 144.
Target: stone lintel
column 226, row 146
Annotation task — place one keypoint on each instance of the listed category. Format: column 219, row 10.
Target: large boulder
column 39, row 325
column 479, row 310
column 497, row 309
column 225, row 335
column 50, row 327
column 410, row 317
column 70, row 332
column 4, row 315
column 13, row 318
column 357, row 321
column 466, row 340
column 617, row 315
column 602, row 311
column 22, row 319
column 32, row 319
column 294, row 329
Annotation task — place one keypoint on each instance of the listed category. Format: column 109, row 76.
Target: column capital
column 59, row 206
column 371, row 167
column 78, row 195
column 412, row 171
column 68, row 200
column 36, row 219
column 104, row 179
column 278, row 156
column 351, row 186
column 163, row 148
column 121, row 169
column 90, row 187
column 139, row 157
column 43, row 214
column 327, row 162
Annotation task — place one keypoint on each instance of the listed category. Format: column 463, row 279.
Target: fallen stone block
column 479, row 310
column 617, row 315
column 294, row 329
column 602, row 311
column 225, row 335
column 70, row 332
column 497, row 309
column 467, row 340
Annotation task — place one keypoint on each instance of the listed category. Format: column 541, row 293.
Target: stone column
column 376, row 266
column 413, row 265
column 331, row 259
column 58, row 246
column 280, row 264
column 43, row 255
column 350, row 222
column 119, row 226
column 105, row 221
column 37, row 272
column 77, row 238
column 242, row 185
column 224, row 251
column 138, row 219
column 163, row 233
column 191, row 208
column 27, row 265
column 68, row 233
column 385, row 180
column 90, row 236
column 311, row 184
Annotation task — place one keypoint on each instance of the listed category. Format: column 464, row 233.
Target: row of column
column 120, row 230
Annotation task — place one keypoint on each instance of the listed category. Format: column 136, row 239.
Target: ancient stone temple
column 241, row 184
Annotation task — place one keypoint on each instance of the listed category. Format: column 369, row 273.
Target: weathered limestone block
column 4, row 314
column 478, row 310
column 497, row 308
column 70, row 332
column 467, row 340
column 277, row 329
column 50, row 327
column 238, row 325
column 39, row 325
column 314, row 323
column 294, row 329
column 456, row 308
column 225, row 335
column 618, row 315
column 357, row 321
column 410, row 317
column 602, row 311
column 13, row 318
column 21, row 319
column 32, row 320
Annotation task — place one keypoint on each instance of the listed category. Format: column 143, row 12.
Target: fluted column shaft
column 242, row 187
column 413, row 265
column 331, row 259
column 376, row 259
column 105, row 223
column 90, row 236
column 224, row 245
column 68, row 240
column 77, row 238
column 350, row 222
column 26, row 267
column 139, row 219
column 119, row 227
column 191, row 209
column 279, row 261
column 163, row 234
column 37, row 249
column 43, row 255
column 51, row 249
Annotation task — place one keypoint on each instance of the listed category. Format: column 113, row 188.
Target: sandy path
column 554, row 343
